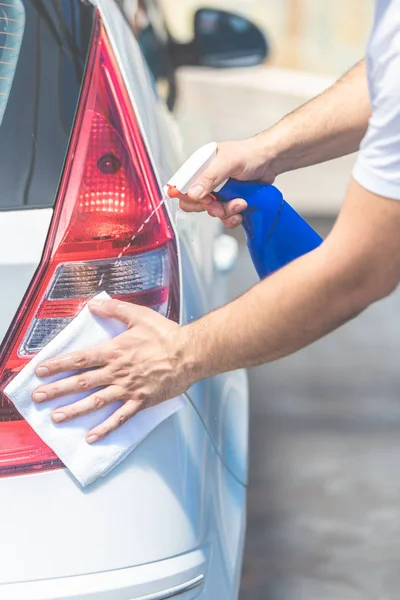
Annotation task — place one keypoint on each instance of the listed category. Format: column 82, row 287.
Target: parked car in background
column 86, row 143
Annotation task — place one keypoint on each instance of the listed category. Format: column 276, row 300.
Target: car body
column 170, row 520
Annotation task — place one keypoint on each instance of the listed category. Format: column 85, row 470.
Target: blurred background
column 311, row 43
column 324, row 491
column 318, row 36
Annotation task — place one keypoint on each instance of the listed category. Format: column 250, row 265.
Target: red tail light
column 106, row 234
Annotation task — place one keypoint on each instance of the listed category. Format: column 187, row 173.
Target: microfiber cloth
column 85, row 461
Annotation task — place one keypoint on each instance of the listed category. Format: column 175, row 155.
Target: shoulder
column 378, row 163
column 383, row 50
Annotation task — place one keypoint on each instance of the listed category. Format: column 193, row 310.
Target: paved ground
column 324, row 494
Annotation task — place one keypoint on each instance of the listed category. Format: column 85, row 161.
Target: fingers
column 235, row 207
column 232, row 212
column 217, row 209
column 91, row 403
column 228, row 212
column 232, row 222
column 75, row 361
column 188, row 205
column 86, row 381
column 223, row 210
column 116, row 309
column 117, row 419
column 220, row 168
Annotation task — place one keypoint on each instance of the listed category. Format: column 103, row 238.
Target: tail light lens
column 108, row 233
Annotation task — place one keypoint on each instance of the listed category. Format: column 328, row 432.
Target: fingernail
column 58, row 417
column 197, row 192
column 212, row 212
column 42, row 371
column 92, row 438
column 236, row 220
column 95, row 303
column 40, row 396
column 238, row 209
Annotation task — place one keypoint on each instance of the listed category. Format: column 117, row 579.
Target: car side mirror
column 221, row 39
column 224, row 39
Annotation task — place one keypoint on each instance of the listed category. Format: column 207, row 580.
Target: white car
column 86, row 144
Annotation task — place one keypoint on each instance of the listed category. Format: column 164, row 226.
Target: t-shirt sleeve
column 377, row 166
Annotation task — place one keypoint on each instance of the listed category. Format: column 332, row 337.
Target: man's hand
column 328, row 126
column 141, row 367
column 246, row 160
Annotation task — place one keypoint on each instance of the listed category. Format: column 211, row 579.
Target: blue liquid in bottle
column 276, row 234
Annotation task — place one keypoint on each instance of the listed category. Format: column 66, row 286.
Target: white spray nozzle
column 195, row 165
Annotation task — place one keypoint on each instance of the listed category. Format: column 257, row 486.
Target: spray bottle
column 276, row 234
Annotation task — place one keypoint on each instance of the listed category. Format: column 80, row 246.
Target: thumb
column 116, row 309
column 214, row 175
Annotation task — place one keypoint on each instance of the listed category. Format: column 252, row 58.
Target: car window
column 43, row 47
column 12, row 24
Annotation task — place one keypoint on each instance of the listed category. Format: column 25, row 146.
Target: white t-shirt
column 378, row 163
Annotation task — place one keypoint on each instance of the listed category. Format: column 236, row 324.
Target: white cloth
column 378, row 163
column 85, row 461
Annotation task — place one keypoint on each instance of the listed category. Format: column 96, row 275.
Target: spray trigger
column 172, row 191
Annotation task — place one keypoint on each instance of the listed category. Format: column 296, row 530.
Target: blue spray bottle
column 276, row 234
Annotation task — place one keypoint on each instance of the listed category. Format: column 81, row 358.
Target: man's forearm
column 280, row 315
column 328, row 126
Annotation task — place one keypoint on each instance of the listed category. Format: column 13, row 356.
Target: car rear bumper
column 117, row 539
column 182, row 577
